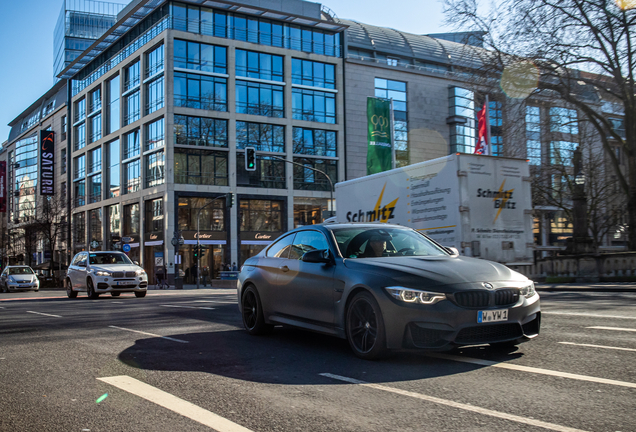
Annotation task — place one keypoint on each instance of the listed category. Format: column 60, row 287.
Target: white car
column 19, row 278
column 104, row 272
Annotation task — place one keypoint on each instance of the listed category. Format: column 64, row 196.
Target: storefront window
column 308, row 211
column 212, row 217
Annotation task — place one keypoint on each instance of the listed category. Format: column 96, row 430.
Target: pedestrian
column 204, row 273
column 234, row 267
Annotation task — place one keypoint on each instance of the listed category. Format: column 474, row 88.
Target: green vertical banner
column 379, row 157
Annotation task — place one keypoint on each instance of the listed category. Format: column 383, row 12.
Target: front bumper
column 108, row 284
column 445, row 325
column 23, row 286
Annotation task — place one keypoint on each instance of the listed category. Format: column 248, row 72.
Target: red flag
column 482, row 147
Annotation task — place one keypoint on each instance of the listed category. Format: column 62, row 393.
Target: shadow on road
column 290, row 356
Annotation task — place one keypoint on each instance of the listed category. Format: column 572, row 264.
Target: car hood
column 22, row 278
column 436, row 271
column 115, row 267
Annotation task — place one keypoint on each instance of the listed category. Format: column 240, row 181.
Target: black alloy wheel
column 90, row 290
column 69, row 289
column 139, row 294
column 252, row 313
column 365, row 327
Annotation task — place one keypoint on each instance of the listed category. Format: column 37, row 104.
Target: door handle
column 284, row 268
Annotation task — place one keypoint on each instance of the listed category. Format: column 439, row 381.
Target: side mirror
column 453, row 251
column 317, row 256
column 136, row 263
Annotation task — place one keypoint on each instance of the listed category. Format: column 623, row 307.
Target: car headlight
column 528, row 291
column 102, row 273
column 140, row 272
column 11, row 279
column 409, row 295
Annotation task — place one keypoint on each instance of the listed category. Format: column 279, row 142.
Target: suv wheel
column 90, row 290
column 69, row 289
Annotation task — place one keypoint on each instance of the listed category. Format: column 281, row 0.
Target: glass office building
column 163, row 115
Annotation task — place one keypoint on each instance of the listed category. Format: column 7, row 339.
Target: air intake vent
column 472, row 299
column 130, row 274
column 118, row 274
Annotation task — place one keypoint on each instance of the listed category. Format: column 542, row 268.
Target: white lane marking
column 612, row 328
column 40, row 313
column 532, row 370
column 587, row 315
column 598, row 346
column 149, row 334
column 478, row 410
column 118, row 302
column 1, row 307
column 187, row 307
column 214, row 301
column 173, row 403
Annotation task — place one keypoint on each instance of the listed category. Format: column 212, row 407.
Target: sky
column 26, row 41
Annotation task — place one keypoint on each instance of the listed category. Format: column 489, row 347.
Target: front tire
column 69, row 289
column 252, row 313
column 365, row 327
column 90, row 290
column 140, row 294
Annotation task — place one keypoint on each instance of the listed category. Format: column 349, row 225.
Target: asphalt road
column 179, row 360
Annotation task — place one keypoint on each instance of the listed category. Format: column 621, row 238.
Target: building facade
column 159, row 131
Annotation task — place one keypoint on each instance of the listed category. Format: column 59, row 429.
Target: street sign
column 127, row 239
column 126, row 248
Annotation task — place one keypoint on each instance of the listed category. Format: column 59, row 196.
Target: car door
column 72, row 270
column 269, row 268
column 308, row 287
column 79, row 274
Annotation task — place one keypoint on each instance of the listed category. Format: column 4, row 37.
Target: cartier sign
column 205, row 235
column 260, row 236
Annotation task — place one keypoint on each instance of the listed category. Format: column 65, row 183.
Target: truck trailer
column 480, row 205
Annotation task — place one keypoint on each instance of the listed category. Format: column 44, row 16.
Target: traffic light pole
column 313, row 169
column 198, row 241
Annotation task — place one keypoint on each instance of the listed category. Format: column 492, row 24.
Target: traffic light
column 202, row 250
column 250, row 159
column 196, row 251
column 230, row 199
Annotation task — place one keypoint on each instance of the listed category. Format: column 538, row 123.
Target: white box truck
column 480, row 205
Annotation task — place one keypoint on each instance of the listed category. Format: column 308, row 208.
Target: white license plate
column 125, row 283
column 492, row 316
column 25, row 285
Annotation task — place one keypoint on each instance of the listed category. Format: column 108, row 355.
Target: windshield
column 109, row 258
column 20, row 270
column 384, row 242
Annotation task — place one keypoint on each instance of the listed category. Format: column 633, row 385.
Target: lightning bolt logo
column 504, row 196
column 378, row 205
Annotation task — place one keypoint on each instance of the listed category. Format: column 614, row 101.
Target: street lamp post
column 580, row 243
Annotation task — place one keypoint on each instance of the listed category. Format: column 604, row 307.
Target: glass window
column 199, row 56
column 80, row 110
column 154, row 95
column 315, row 74
column 95, row 160
column 259, row 99
column 132, row 177
column 561, row 152
column 281, row 248
column 131, row 144
column 264, row 137
column 131, row 104
column 112, row 109
column 306, row 241
column 308, row 179
column 79, row 164
column 154, row 61
column 269, row 173
column 80, row 136
column 95, row 100
column 63, row 161
column 79, row 223
column 80, row 193
column 131, row 219
column 113, row 169
column 315, row 142
column 211, row 217
column 155, row 164
column 259, row 65
column 95, row 217
column 313, row 105
column 132, row 76
column 200, row 167
column 96, row 128
column 200, row 131
column 154, row 135
column 94, row 188
column 154, row 215
column 113, row 225
column 200, row 91
column 564, row 120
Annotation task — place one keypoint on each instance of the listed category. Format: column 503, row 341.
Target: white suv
column 104, row 272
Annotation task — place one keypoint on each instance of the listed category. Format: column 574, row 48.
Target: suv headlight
column 11, row 279
column 409, row 295
column 102, row 273
column 528, row 291
column 140, row 272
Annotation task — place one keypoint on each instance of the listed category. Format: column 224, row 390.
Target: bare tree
column 581, row 52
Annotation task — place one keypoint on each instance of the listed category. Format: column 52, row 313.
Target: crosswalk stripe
column 173, row 403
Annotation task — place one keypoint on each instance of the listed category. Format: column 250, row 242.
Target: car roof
column 18, row 266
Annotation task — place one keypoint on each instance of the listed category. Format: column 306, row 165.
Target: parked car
column 15, row 278
column 385, row 287
column 104, row 272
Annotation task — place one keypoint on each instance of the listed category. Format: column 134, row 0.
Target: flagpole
column 392, row 132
